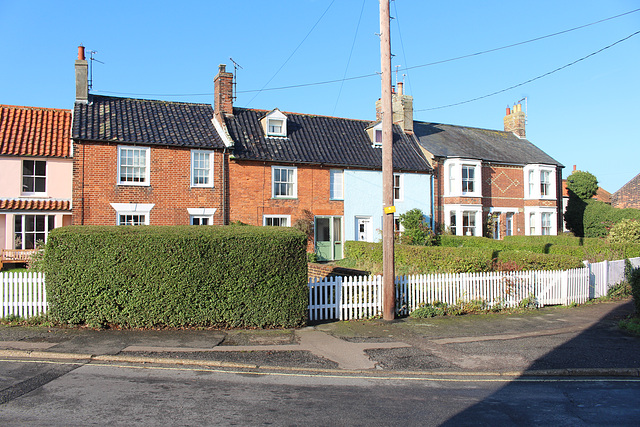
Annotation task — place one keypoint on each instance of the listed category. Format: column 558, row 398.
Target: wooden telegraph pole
column 388, row 271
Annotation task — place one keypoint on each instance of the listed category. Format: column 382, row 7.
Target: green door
column 328, row 238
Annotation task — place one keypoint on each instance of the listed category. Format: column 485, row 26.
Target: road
column 61, row 393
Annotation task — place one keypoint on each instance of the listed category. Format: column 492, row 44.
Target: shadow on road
column 570, row 400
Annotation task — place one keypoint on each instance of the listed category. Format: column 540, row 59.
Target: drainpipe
column 432, row 199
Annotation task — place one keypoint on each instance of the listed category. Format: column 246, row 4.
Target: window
column 397, row 187
column 31, row 229
column 337, row 184
column 509, row 224
column 532, row 224
column 545, row 183
column 201, row 220
column 201, row 168
column 452, row 222
column 132, row 219
column 541, row 182
column 132, row 213
column 468, row 172
column 546, row 223
column 275, row 123
column 284, row 182
column 378, row 138
column 34, row 176
column 133, row 165
column 469, row 223
column 276, row 220
column 462, row 177
column 275, row 127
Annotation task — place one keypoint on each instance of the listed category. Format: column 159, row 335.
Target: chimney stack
column 514, row 121
column 223, row 93
column 402, row 109
column 82, row 77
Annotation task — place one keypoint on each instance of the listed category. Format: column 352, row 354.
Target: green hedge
column 598, row 216
column 177, row 276
column 518, row 261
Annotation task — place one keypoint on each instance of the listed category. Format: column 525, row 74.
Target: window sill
column 283, row 198
column 134, row 184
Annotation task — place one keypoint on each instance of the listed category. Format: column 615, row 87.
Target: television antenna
column 91, row 59
column 235, row 82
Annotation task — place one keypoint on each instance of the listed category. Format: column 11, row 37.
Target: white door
column 363, row 229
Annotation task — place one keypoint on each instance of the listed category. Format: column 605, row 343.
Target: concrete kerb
column 266, row 369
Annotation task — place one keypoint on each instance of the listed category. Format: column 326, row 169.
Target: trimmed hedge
column 179, row 276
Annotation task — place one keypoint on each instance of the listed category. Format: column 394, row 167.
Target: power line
column 292, row 53
column 533, row 79
column 349, row 60
column 264, row 89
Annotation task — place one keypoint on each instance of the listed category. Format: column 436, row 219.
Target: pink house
column 36, row 171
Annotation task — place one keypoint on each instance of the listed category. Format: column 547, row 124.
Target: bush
column 625, row 231
column 599, row 217
column 526, row 261
column 416, row 230
column 177, row 276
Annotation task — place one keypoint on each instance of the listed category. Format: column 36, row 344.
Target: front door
column 328, row 238
column 363, row 229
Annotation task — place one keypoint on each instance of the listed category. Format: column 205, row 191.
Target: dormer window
column 275, row 123
column 375, row 134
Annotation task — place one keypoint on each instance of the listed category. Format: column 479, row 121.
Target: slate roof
column 34, row 205
column 141, row 121
column 483, row 144
column 319, row 140
column 34, row 131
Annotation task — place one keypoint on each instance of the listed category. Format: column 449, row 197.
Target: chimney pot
column 574, row 168
column 400, row 88
column 81, row 53
column 508, row 111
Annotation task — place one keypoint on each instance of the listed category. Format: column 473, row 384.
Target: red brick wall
column 250, row 193
column 502, row 187
column 628, row 196
column 95, row 187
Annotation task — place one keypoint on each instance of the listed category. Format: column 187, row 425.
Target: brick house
column 486, row 176
column 628, row 196
column 145, row 162
column 35, row 172
column 288, row 167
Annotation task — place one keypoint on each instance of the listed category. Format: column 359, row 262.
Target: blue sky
column 585, row 114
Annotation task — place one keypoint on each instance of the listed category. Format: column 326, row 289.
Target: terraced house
column 35, row 174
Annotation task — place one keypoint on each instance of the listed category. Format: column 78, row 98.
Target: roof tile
column 35, row 131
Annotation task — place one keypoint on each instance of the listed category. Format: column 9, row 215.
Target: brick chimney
column 82, row 77
column 402, row 109
column 223, row 92
column 514, row 121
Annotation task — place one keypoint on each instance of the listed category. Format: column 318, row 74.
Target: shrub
column 416, row 230
column 434, row 309
column 625, row 231
column 177, row 276
column 583, row 184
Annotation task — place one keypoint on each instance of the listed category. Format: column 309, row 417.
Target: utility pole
column 388, row 271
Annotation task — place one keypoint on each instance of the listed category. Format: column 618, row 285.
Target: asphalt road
column 55, row 394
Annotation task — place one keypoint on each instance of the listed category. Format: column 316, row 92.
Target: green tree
column 582, row 184
column 581, row 187
column 416, row 230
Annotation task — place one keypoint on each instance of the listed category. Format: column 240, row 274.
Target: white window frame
column 34, row 177
column 399, row 178
column 265, row 219
column 137, row 209
column 294, row 183
column 201, row 213
column 209, row 171
column 275, row 116
column 336, row 183
column 533, row 220
column 48, row 226
column 453, row 177
column 147, row 174
column 377, row 131
column 533, row 188
column 458, row 211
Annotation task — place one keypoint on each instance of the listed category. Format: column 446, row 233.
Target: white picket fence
column 344, row 298
column 22, row 295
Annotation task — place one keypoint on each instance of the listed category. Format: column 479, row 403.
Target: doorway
column 328, row 237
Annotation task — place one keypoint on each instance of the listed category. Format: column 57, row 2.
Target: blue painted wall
column 363, row 197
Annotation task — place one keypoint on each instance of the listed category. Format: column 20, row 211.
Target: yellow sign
column 389, row 209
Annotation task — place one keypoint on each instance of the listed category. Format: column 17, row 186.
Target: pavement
column 551, row 341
